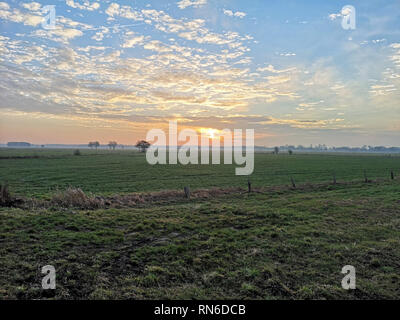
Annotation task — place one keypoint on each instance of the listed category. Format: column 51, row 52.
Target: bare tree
column 112, row 145
column 94, row 144
column 276, row 150
column 142, row 145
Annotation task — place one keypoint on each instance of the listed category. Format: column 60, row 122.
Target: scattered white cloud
column 287, row 54
column 237, row 14
column 32, row 6
column 132, row 40
column 113, row 9
column 85, row 6
column 183, row 4
column 271, row 68
column 378, row 40
column 4, row 6
column 346, row 11
column 17, row 16
column 175, row 66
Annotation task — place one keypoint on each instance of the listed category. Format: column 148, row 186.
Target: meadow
column 39, row 172
column 277, row 242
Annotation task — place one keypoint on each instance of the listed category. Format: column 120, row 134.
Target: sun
column 210, row 132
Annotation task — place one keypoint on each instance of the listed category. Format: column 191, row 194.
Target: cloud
column 237, row 14
column 32, row 6
column 17, row 16
column 86, row 84
column 193, row 30
column 60, row 34
column 181, row 67
column 395, row 57
column 113, row 9
column 183, row 4
column 4, row 6
column 277, row 79
column 158, row 46
column 132, row 40
column 86, row 5
column 346, row 11
column 271, row 68
column 287, row 54
column 334, row 16
column 100, row 34
column 335, row 123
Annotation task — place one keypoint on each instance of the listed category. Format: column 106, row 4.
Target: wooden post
column 334, row 177
column 293, row 184
column 365, row 176
column 392, row 175
column 249, row 185
column 4, row 194
column 187, row 192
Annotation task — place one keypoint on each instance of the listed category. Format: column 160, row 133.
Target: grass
column 39, row 173
column 284, row 245
column 281, row 243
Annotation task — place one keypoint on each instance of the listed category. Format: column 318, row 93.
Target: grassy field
column 275, row 243
column 39, row 172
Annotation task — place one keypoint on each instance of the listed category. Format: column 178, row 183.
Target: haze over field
column 116, row 70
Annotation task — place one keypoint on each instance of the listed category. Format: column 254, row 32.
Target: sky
column 113, row 70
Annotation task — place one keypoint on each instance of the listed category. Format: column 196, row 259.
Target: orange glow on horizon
column 210, row 132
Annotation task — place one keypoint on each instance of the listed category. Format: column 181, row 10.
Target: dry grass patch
column 75, row 197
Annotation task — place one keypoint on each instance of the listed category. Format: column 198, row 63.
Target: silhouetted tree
column 142, row 145
column 276, row 150
column 94, row 144
column 112, row 145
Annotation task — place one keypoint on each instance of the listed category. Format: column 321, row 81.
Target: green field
column 278, row 242
column 41, row 172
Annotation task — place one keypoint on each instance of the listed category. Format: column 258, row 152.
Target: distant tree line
column 112, row 145
column 94, row 144
column 322, row 147
column 18, row 144
column 142, row 145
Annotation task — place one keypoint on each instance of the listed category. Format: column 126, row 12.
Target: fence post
column 365, row 176
column 249, row 185
column 187, row 192
column 392, row 175
column 293, row 184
